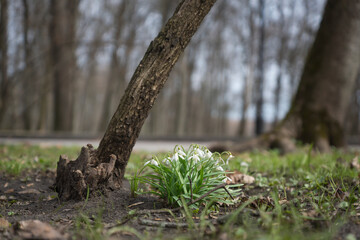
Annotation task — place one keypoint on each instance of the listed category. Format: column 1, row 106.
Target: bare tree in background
column 250, row 59
column 105, row 167
column 259, row 80
column 4, row 81
column 125, row 15
column 318, row 111
column 27, row 55
column 280, row 61
column 157, row 122
column 63, row 41
column 87, row 100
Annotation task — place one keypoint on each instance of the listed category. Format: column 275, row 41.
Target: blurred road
column 141, row 145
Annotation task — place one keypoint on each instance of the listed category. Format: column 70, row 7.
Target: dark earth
column 31, row 198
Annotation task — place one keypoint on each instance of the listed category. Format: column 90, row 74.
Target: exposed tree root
column 74, row 177
column 279, row 138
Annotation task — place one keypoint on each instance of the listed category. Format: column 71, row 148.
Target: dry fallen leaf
column 30, row 191
column 284, row 201
column 312, row 213
column 4, row 224
column 355, row 163
column 238, row 177
column 35, row 229
column 9, row 190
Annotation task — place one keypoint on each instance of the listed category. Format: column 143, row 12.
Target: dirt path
column 141, row 145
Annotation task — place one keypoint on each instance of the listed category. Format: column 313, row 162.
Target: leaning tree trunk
column 104, row 168
column 318, row 110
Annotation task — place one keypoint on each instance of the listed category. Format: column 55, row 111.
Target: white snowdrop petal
column 175, row 157
column 195, row 158
column 244, row 164
column 219, row 168
column 230, row 157
column 181, row 153
column 154, row 162
column 208, row 154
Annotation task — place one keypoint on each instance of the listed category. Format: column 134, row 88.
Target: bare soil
column 30, row 198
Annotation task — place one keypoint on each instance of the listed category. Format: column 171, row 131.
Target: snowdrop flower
column 167, row 161
column 181, row 153
column 244, row 164
column 208, row 154
column 226, row 179
column 153, row 162
column 230, row 157
column 200, row 152
column 195, row 158
column 175, row 157
column 219, row 168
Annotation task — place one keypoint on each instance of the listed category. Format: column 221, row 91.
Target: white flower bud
column 219, row 168
column 227, row 179
column 153, row 162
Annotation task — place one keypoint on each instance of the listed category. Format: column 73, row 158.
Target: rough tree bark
column 104, row 168
column 318, row 110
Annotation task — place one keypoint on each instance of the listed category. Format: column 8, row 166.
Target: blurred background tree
column 65, row 64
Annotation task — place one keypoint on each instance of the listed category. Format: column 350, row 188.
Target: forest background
column 65, row 65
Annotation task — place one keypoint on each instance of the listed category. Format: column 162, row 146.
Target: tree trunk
column 4, row 81
column 247, row 91
column 318, row 110
column 116, row 69
column 26, row 113
column 184, row 95
column 259, row 85
column 280, row 63
column 62, row 39
column 104, row 168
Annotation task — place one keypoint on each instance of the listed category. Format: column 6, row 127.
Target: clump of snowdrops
column 189, row 175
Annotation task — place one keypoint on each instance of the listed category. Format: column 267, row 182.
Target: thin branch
column 162, row 224
column 191, row 191
column 229, row 193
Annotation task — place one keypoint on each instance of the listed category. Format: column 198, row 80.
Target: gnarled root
column 74, row 177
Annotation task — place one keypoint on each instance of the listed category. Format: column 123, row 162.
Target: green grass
column 302, row 195
column 319, row 193
column 15, row 159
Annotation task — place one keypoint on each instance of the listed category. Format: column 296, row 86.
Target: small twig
column 190, row 189
column 162, row 224
column 229, row 193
